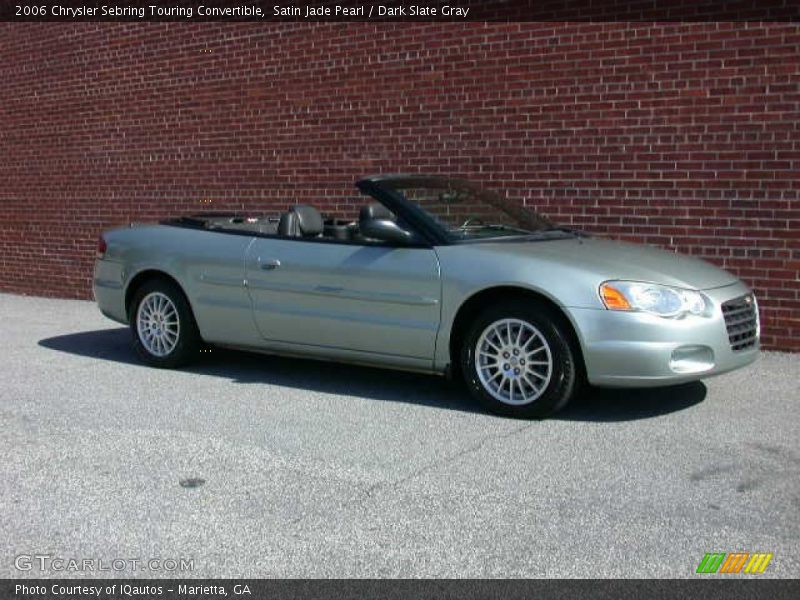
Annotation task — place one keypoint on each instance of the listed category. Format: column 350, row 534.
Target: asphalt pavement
column 256, row 466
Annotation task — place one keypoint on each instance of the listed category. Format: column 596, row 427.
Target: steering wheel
column 472, row 221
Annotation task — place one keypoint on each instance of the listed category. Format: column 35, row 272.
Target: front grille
column 741, row 320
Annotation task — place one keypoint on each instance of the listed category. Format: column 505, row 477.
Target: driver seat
column 375, row 211
column 369, row 212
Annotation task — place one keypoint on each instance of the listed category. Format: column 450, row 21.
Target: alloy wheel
column 513, row 362
column 158, row 324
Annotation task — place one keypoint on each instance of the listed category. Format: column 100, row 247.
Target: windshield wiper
column 496, row 226
column 569, row 230
column 492, row 227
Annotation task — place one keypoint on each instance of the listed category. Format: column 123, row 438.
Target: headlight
column 660, row 300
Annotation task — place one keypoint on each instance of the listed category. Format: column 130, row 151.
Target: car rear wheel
column 517, row 361
column 164, row 331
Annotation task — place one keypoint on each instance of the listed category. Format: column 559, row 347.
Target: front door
column 365, row 298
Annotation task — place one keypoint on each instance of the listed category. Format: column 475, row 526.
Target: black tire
column 188, row 342
column 564, row 371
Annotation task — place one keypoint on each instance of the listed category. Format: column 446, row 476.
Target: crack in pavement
column 449, row 459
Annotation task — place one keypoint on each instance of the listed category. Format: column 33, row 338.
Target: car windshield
column 466, row 211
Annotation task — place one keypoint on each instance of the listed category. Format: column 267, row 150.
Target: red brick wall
column 681, row 135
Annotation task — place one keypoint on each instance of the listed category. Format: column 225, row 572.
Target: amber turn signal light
column 613, row 298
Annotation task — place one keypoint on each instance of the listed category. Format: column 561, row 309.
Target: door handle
column 271, row 265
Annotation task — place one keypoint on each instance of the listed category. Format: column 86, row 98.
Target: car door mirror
column 386, row 230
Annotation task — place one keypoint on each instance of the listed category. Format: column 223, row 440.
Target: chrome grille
column 741, row 320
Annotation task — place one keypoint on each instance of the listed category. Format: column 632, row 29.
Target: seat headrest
column 375, row 211
column 307, row 220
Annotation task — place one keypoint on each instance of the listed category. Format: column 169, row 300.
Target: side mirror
column 385, row 230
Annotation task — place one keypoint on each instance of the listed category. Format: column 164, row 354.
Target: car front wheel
column 164, row 332
column 517, row 361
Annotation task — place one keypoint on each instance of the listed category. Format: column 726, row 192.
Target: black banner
column 394, row 10
column 363, row 589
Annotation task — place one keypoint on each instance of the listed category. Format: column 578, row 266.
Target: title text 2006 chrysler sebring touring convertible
column 435, row 275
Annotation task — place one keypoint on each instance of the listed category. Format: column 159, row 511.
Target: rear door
column 366, row 298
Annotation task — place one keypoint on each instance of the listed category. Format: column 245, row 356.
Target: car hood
column 609, row 259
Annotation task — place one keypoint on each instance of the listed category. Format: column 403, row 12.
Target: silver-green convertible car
column 429, row 274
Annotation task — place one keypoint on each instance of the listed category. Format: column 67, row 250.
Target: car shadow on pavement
column 593, row 404
column 303, row 374
column 613, row 405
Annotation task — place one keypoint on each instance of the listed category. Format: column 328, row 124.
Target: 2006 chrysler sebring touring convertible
column 434, row 275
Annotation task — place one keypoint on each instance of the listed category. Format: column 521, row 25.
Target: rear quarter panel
column 209, row 267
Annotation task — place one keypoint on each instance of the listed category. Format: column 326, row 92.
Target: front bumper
column 635, row 349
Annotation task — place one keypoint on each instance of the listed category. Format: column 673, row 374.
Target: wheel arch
column 151, row 274
column 480, row 300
